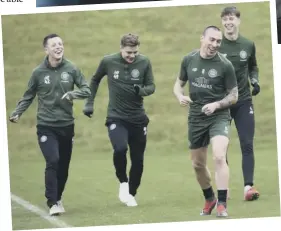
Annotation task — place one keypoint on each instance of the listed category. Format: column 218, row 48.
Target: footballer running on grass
column 130, row 79
column 242, row 54
column 53, row 82
column 212, row 90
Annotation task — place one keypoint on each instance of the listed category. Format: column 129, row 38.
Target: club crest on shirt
column 212, row 73
column 135, row 73
column 243, row 54
column 64, row 77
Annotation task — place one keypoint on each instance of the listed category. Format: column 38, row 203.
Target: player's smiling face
column 54, row 48
column 129, row 53
column 211, row 42
column 230, row 23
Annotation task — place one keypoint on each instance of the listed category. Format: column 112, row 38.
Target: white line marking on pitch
column 43, row 214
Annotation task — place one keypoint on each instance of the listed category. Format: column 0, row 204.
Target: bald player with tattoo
column 212, row 90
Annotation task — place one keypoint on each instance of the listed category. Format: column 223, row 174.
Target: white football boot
column 124, row 192
column 54, row 210
column 131, row 202
column 60, row 205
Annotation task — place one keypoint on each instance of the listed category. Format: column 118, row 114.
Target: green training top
column 242, row 54
column 124, row 104
column 50, row 84
column 209, row 81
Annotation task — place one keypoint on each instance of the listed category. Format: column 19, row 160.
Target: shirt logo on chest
column 135, row 74
column 212, row 73
column 64, row 77
column 47, row 79
column 243, row 55
column 116, row 74
column 201, row 82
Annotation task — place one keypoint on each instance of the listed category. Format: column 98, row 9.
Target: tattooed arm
column 231, row 86
column 230, row 99
column 226, row 102
column 232, row 94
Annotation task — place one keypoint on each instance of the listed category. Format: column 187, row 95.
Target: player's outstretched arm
column 94, row 85
column 95, row 81
column 26, row 100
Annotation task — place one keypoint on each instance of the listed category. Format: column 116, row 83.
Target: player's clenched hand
column 88, row 111
column 67, row 96
column 184, row 100
column 209, row 108
column 14, row 118
column 137, row 89
column 256, row 89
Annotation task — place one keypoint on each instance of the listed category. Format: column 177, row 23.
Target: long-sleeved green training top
column 124, row 103
column 242, row 54
column 50, row 84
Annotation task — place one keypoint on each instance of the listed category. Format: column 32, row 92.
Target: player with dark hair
column 242, row 54
column 53, row 82
column 130, row 78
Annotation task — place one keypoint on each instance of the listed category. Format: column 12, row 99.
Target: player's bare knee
column 199, row 155
column 219, row 159
column 219, row 145
column 198, row 165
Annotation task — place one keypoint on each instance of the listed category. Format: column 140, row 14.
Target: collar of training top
column 231, row 41
column 122, row 60
column 47, row 64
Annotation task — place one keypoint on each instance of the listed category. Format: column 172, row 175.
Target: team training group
column 222, row 77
